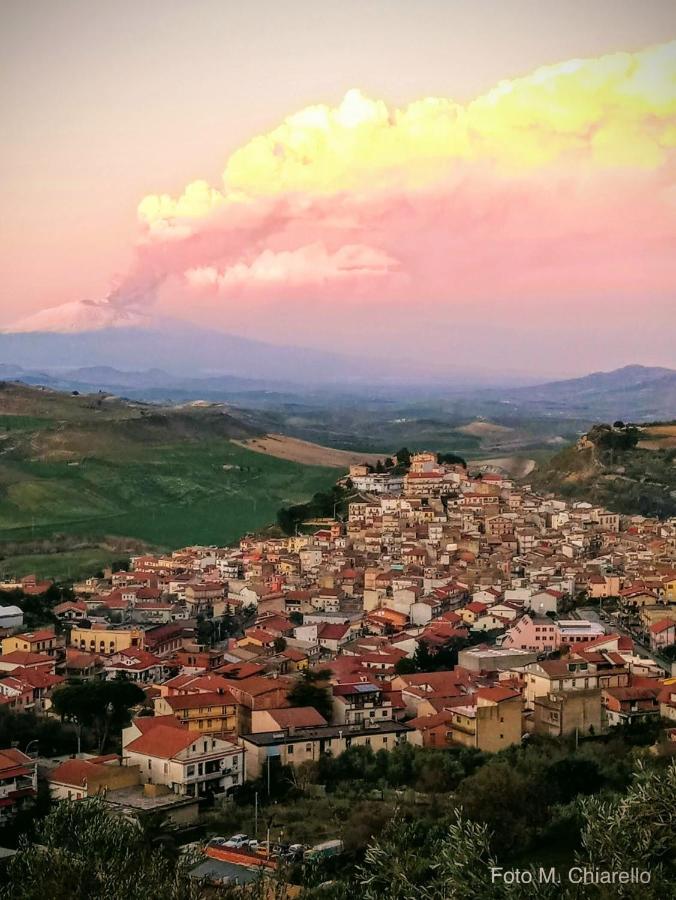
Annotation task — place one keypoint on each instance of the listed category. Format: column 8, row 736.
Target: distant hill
column 96, row 466
column 635, row 393
column 626, row 469
column 186, row 351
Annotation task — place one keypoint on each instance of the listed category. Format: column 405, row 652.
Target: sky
column 447, row 181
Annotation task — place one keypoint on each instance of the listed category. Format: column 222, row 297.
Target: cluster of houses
column 437, row 558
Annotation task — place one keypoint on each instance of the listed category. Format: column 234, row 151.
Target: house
column 332, row 636
column 42, row 641
column 295, row 746
column 71, row 611
column 209, row 712
column 258, row 639
column 134, row 664
column 574, row 673
column 533, row 632
column 662, row 634
column 16, row 694
column 78, row 779
column 432, row 730
column 18, row 782
column 190, row 764
column 359, row 702
column 561, row 713
column 626, row 705
column 544, row 602
column 288, row 718
column 24, row 659
column 489, row 720
column 81, row 664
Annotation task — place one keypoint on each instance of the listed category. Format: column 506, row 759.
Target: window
column 150, row 763
column 189, row 771
column 290, row 750
column 166, row 768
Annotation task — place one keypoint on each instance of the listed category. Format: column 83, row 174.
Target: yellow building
column 209, row 712
column 105, row 640
column 651, row 614
column 495, row 722
column 669, row 585
column 43, row 641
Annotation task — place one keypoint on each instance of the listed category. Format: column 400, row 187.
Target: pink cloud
column 310, row 264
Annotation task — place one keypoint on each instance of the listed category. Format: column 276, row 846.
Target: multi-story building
column 295, row 746
column 363, row 701
column 18, row 782
column 209, row 712
column 188, row 763
column 106, row 640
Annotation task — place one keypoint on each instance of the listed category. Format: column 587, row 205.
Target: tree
column 405, row 666
column 310, row 691
column 280, row 644
column 379, row 467
column 85, row 851
column 451, row 459
column 636, row 828
column 403, row 457
column 458, row 865
column 389, row 462
column 102, row 706
column 205, row 632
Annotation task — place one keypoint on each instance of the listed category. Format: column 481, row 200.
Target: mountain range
column 178, row 365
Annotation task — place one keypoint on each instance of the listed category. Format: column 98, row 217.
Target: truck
column 324, row 850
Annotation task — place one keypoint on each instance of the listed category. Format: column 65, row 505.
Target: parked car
column 252, row 845
column 237, row 841
column 216, row 841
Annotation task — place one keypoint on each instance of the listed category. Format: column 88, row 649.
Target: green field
column 165, row 476
column 68, row 565
column 210, row 491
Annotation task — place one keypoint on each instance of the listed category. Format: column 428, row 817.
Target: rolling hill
column 92, row 467
column 628, row 470
column 634, row 393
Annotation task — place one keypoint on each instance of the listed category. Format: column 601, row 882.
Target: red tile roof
column 163, row 741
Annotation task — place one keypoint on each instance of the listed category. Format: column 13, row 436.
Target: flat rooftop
column 270, row 738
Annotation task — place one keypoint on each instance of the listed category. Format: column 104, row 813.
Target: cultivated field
column 659, row 437
column 482, row 429
column 305, row 452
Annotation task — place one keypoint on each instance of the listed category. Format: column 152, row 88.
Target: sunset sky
column 447, row 180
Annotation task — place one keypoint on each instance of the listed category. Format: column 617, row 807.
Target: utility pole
column 256, row 815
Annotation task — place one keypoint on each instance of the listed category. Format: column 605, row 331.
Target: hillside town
column 447, row 608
